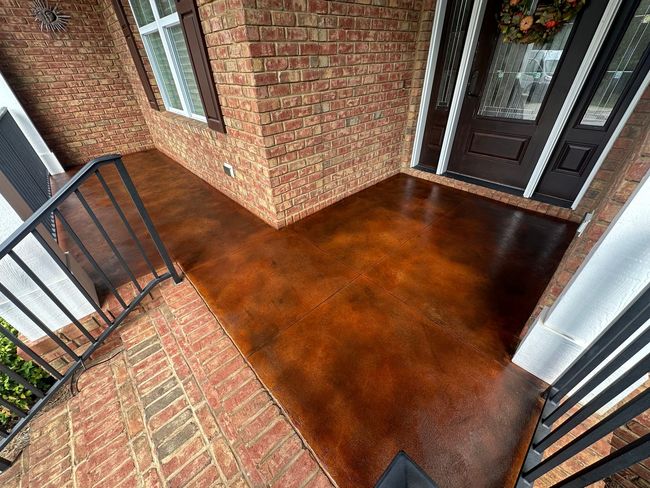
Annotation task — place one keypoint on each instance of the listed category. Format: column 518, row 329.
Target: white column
column 614, row 274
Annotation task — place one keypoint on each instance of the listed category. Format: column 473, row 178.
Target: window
column 620, row 72
column 159, row 25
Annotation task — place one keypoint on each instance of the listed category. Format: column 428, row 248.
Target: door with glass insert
column 513, row 97
column 617, row 76
column 452, row 42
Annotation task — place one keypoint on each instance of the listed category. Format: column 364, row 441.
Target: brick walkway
column 175, row 404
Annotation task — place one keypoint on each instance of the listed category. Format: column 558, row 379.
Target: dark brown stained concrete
column 383, row 322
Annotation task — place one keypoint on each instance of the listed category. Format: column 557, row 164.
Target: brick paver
column 170, row 402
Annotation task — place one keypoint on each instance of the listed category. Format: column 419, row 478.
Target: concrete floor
column 383, row 322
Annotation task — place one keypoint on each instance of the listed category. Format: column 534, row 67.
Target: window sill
column 184, row 121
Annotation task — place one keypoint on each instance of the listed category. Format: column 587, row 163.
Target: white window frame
column 161, row 25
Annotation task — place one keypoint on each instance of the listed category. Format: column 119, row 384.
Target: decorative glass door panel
column 620, row 70
column 519, row 77
column 513, row 99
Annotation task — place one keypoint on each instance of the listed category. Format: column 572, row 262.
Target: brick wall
column 71, row 83
column 315, row 96
column 338, row 77
column 189, row 142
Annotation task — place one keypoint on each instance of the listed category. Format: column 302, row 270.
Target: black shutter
column 191, row 24
column 135, row 54
column 23, row 167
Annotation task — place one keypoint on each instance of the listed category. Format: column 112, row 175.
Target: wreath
column 518, row 25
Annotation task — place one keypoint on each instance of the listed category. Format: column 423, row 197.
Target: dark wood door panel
column 507, row 115
column 573, row 158
column 501, row 146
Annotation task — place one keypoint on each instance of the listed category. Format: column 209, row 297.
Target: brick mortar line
column 124, row 411
column 204, row 401
column 140, row 406
column 283, row 412
column 73, row 459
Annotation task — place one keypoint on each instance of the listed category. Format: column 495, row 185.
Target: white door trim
column 473, row 30
column 572, row 96
column 429, row 72
column 464, row 69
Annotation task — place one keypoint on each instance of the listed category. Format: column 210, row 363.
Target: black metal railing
column 590, row 380
column 36, row 226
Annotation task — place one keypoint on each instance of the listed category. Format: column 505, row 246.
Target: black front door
column 513, row 98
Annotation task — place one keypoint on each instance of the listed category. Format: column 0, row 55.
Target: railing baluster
column 16, row 378
column 34, row 226
column 617, row 418
column 630, row 320
column 90, row 258
column 126, row 223
column 621, row 358
column 12, row 408
column 108, row 240
column 57, row 259
column 608, row 394
column 139, row 204
column 50, row 295
column 594, row 369
column 35, row 357
column 39, row 323
column 632, row 453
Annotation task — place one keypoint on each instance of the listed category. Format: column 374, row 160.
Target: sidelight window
column 620, row 71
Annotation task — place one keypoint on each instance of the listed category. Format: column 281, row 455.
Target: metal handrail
column 607, row 355
column 31, row 227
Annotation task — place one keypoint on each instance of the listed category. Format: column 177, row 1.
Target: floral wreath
column 518, row 26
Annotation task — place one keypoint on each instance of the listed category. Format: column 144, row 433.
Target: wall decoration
column 526, row 22
column 51, row 18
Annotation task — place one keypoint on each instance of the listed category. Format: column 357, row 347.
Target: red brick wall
column 338, row 76
column 315, row 97
column 71, row 83
column 199, row 149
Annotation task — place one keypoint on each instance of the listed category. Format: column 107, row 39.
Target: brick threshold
column 499, row 196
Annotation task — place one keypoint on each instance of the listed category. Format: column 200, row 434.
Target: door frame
column 478, row 10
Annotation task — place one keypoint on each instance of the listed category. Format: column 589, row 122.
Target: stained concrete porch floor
column 383, row 322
